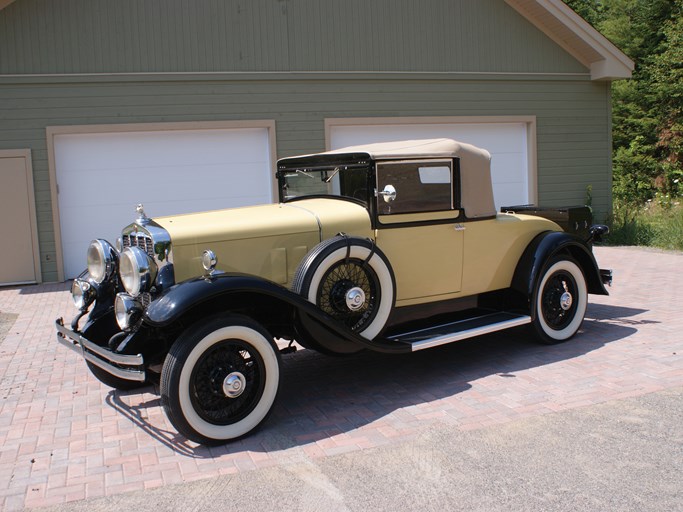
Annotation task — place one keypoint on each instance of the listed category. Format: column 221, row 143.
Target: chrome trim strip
column 100, row 356
column 134, row 375
column 470, row 333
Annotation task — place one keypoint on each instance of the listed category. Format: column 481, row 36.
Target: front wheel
column 560, row 300
column 220, row 379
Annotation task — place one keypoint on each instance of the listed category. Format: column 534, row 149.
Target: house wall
column 101, row 36
column 79, row 62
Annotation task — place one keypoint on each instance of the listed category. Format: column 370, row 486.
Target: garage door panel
column 102, row 176
column 498, row 138
column 149, row 149
column 196, row 182
column 507, row 194
column 514, row 170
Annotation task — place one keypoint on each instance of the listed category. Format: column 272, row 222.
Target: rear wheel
column 560, row 301
column 220, row 379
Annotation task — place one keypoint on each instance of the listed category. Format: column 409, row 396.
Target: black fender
column 544, row 246
column 104, row 331
column 101, row 327
column 195, row 298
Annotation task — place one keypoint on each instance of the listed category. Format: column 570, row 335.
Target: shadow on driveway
column 323, row 396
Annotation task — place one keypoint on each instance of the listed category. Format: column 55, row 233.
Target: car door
column 418, row 229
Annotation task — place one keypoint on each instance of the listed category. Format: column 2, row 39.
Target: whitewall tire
column 560, row 300
column 351, row 280
column 220, row 379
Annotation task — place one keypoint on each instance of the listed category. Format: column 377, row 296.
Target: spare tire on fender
column 350, row 279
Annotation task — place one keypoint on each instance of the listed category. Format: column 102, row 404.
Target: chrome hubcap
column 566, row 301
column 355, row 298
column 234, row 384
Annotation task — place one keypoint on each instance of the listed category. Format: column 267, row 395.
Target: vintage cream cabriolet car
column 392, row 247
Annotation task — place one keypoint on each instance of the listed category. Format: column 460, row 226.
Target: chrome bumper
column 127, row 367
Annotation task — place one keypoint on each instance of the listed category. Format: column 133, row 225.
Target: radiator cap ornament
column 142, row 217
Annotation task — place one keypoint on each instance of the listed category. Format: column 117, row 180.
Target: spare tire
column 351, row 280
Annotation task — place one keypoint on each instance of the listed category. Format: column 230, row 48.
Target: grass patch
column 651, row 225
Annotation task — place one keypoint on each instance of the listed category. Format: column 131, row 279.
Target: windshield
column 340, row 181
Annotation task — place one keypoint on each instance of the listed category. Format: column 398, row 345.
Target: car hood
column 250, row 239
column 237, row 224
column 326, row 217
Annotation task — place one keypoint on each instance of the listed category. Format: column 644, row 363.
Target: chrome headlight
column 82, row 293
column 127, row 310
column 102, row 259
column 136, row 270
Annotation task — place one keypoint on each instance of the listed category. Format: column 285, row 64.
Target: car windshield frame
column 333, row 179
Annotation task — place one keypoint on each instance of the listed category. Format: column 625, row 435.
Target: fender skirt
column 309, row 320
column 547, row 245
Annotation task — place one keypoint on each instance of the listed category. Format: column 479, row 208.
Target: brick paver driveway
column 65, row 437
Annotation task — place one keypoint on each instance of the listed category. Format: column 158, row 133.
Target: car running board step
column 460, row 330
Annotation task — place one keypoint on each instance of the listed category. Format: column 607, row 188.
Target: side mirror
column 388, row 194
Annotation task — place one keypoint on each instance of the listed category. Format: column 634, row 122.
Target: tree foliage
column 648, row 109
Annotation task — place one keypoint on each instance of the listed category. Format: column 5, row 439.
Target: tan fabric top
column 425, row 148
column 475, row 166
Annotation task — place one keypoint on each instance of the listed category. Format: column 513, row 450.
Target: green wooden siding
column 128, row 36
column 81, row 62
column 572, row 120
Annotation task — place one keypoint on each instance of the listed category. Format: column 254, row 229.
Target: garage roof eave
column 577, row 37
column 609, row 70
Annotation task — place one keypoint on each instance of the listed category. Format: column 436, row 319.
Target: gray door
column 17, row 250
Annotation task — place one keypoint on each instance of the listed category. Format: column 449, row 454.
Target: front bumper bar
column 123, row 366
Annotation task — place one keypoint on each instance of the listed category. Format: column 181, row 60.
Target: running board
column 460, row 330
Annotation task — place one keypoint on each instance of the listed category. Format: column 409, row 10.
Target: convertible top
column 475, row 165
column 425, row 148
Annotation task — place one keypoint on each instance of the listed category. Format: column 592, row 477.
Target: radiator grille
column 140, row 240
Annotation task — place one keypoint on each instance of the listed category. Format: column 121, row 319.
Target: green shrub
column 659, row 223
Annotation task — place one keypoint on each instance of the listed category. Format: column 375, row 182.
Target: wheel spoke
column 207, row 378
column 338, row 281
column 553, row 312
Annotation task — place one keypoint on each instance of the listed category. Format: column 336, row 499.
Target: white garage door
column 507, row 143
column 102, row 176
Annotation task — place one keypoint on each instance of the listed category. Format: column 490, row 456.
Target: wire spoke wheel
column 333, row 293
column 560, row 300
column 350, row 279
column 228, row 364
column 220, row 379
column 558, row 304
